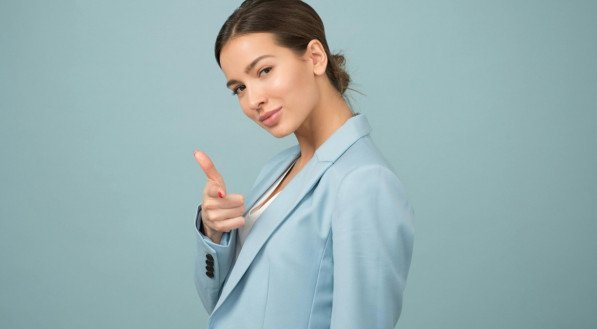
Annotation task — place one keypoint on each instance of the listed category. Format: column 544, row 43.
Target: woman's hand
column 220, row 212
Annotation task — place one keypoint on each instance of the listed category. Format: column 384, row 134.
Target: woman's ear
column 316, row 54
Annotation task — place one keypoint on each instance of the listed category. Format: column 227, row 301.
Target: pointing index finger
column 209, row 169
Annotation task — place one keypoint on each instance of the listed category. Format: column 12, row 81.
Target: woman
column 325, row 239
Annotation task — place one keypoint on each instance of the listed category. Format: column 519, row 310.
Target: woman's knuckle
column 208, row 204
column 218, row 226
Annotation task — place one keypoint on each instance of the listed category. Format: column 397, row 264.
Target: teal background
column 487, row 109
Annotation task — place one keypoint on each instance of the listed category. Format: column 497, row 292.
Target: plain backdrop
column 487, row 110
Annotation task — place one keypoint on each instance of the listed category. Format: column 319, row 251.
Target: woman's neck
column 321, row 123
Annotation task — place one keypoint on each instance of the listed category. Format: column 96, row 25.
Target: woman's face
column 275, row 87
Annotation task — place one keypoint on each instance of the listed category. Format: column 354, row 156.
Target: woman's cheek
column 277, row 85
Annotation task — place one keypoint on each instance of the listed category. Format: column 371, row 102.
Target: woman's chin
column 278, row 131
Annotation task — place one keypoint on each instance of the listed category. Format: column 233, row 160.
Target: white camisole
column 255, row 212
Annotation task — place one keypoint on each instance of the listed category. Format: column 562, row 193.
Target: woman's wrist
column 214, row 236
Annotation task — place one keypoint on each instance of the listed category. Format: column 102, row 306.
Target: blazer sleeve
column 212, row 264
column 372, row 236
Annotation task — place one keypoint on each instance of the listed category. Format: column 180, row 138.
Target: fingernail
column 221, row 195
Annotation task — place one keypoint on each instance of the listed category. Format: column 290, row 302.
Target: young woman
column 324, row 239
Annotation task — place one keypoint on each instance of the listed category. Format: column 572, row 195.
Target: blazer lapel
column 293, row 193
column 276, row 169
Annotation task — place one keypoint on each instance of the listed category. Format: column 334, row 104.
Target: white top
column 255, row 212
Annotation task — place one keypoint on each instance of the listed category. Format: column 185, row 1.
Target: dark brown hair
column 293, row 23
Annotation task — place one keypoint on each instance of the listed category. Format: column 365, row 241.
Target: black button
column 209, row 262
column 209, row 268
column 210, row 274
column 209, row 256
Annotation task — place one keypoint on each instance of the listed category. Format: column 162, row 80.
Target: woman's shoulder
column 359, row 159
column 362, row 154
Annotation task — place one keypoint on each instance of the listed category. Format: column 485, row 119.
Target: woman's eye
column 265, row 71
column 238, row 89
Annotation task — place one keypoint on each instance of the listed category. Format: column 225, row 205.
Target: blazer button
column 209, row 261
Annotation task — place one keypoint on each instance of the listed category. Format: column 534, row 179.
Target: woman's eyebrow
column 255, row 61
column 248, row 69
column 231, row 82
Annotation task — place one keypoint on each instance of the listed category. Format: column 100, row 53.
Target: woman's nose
column 256, row 98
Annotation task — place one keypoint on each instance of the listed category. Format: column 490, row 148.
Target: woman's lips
column 270, row 118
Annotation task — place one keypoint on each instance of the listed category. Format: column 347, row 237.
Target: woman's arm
column 372, row 235
column 213, row 262
column 218, row 217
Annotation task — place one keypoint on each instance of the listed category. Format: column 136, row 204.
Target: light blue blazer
column 331, row 251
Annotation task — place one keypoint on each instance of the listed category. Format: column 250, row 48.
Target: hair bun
column 340, row 78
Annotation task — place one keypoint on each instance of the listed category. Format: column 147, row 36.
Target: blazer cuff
column 221, row 254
